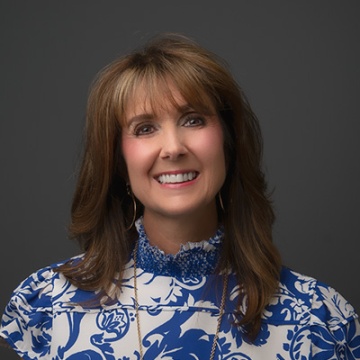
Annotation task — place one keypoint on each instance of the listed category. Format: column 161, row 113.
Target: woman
column 172, row 211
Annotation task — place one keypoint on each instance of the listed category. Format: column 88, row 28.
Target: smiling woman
column 176, row 166
column 172, row 212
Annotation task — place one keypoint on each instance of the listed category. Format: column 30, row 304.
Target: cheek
column 130, row 154
column 126, row 148
column 136, row 155
column 212, row 147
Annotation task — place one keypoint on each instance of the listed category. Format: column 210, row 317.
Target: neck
column 169, row 233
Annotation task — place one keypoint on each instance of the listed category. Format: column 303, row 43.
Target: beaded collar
column 195, row 259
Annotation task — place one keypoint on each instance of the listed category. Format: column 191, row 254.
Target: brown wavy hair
column 102, row 210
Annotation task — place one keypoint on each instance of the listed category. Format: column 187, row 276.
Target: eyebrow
column 150, row 116
column 139, row 118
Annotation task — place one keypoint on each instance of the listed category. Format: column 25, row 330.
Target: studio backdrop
column 298, row 63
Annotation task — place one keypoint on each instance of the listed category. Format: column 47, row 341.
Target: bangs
column 159, row 83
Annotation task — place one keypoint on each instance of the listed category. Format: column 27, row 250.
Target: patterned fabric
column 193, row 259
column 179, row 307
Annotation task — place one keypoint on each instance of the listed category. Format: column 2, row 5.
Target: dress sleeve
column 335, row 326
column 26, row 324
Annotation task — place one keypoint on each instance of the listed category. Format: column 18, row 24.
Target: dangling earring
column 221, row 202
column 130, row 193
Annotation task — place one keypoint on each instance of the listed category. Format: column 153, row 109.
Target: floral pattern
column 179, row 299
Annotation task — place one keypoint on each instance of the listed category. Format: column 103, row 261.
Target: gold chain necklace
column 221, row 313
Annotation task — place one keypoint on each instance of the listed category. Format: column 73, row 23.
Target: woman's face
column 175, row 156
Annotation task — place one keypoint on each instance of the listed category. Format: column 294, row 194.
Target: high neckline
column 194, row 259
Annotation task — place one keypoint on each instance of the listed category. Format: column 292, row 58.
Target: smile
column 176, row 178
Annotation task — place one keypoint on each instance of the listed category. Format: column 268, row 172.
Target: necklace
column 221, row 312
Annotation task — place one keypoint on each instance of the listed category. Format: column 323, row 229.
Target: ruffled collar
column 195, row 259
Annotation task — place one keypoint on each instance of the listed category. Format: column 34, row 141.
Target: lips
column 176, row 178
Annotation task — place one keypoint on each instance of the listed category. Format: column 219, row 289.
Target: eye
column 144, row 129
column 192, row 120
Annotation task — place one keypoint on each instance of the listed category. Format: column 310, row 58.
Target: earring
column 130, row 193
column 221, row 202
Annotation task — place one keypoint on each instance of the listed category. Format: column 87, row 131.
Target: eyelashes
column 194, row 120
column 150, row 127
column 143, row 129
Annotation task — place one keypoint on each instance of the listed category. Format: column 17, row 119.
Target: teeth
column 176, row 178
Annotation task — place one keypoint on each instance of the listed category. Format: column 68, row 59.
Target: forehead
column 153, row 101
column 155, row 97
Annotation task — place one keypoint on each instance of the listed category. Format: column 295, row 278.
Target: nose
column 172, row 145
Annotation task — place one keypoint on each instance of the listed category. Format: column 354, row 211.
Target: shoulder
column 314, row 313
column 28, row 315
column 329, row 317
column 325, row 303
column 36, row 291
column 301, row 298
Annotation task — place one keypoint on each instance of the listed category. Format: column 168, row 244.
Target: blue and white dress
column 179, row 299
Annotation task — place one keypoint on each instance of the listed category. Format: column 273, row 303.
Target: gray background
column 298, row 62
